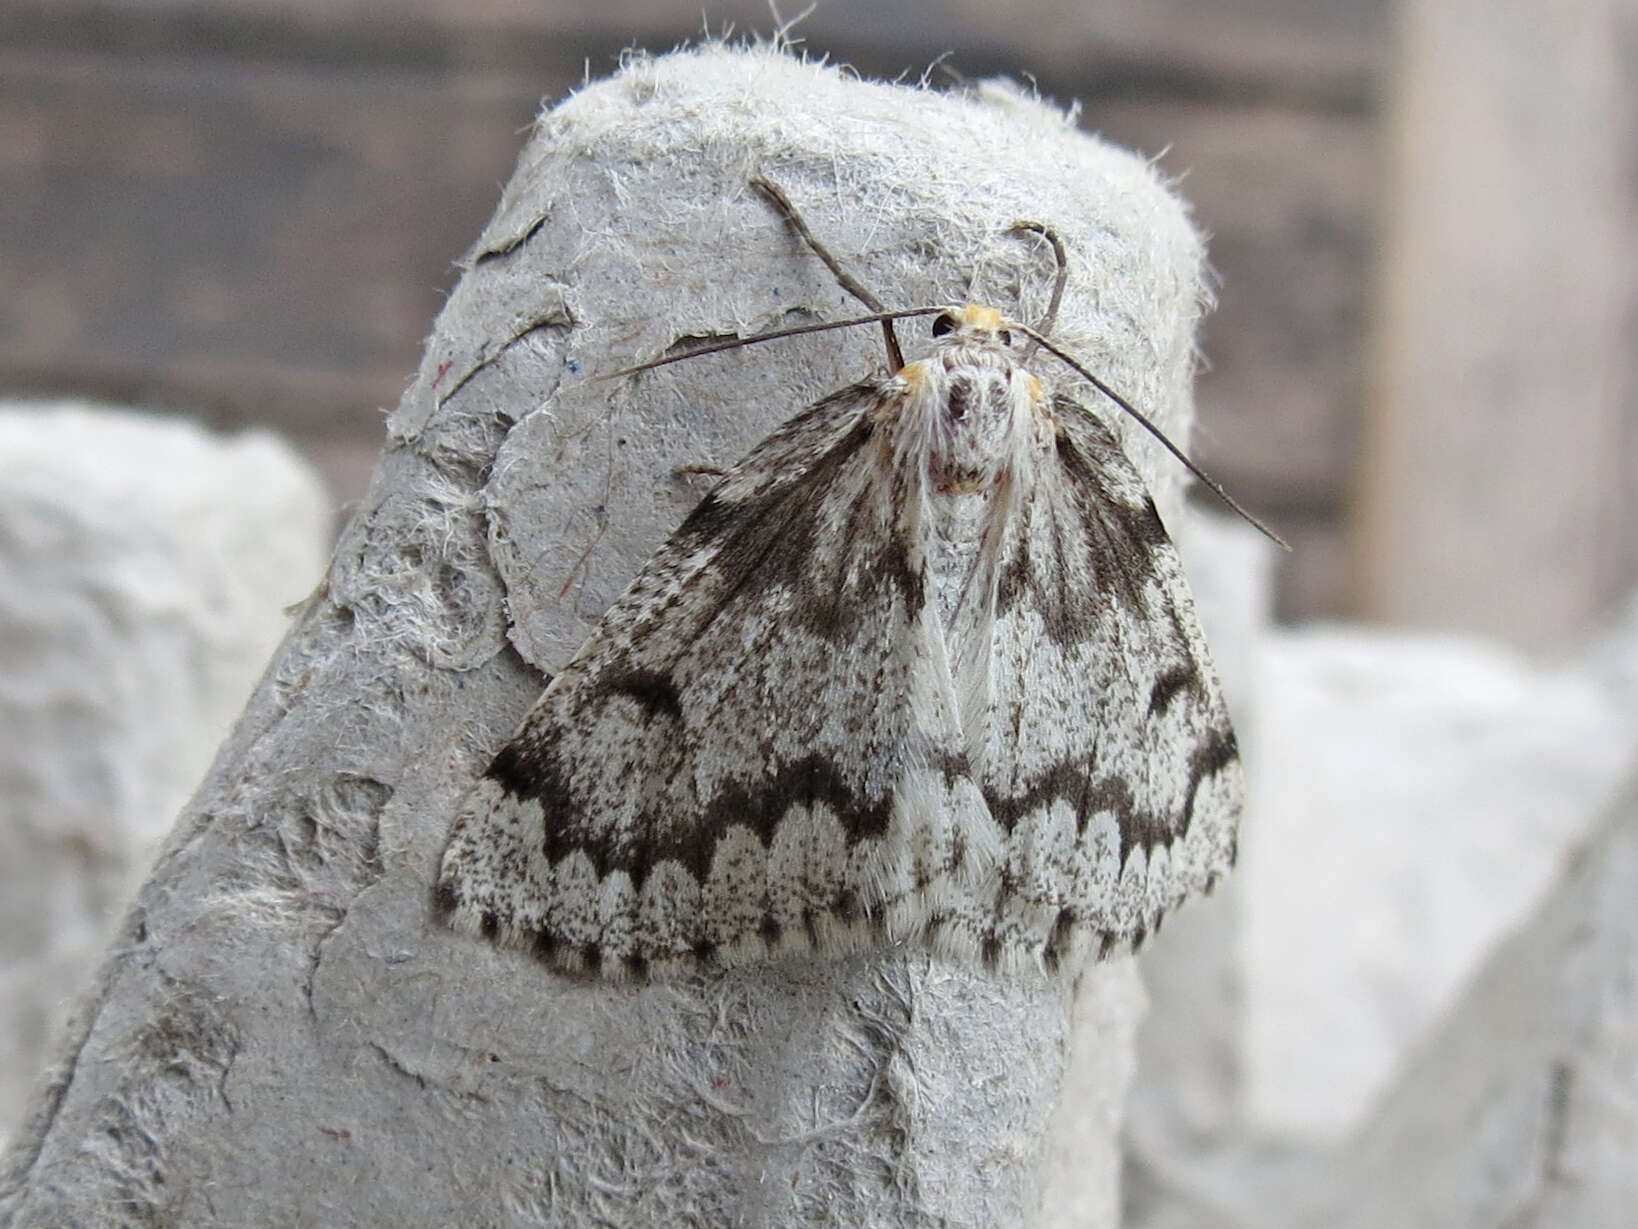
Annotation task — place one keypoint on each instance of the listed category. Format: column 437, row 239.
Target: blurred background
column 249, row 211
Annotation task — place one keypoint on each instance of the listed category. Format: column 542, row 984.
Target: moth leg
column 776, row 197
column 697, row 471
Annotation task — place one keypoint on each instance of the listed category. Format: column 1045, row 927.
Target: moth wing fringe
column 911, row 922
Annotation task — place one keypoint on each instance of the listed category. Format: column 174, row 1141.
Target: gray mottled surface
column 282, row 1035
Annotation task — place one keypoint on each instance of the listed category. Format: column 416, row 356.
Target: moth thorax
column 974, row 428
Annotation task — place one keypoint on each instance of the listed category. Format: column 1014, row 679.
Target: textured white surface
column 144, row 570
column 1519, row 1108
column 1522, row 1108
column 1417, row 794
column 281, row 1016
column 1438, row 964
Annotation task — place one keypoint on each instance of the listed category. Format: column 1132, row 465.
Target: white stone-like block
column 145, row 565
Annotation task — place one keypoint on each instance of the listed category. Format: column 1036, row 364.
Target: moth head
column 973, row 322
column 972, row 399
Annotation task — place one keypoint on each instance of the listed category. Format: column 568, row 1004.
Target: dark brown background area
column 250, row 210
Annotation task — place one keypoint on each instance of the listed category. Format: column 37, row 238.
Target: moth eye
column 943, row 323
column 1006, row 336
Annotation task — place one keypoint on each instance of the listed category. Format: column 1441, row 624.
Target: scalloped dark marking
column 1169, row 684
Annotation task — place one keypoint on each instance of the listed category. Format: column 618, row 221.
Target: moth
column 923, row 667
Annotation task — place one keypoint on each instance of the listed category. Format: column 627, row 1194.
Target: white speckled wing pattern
column 923, row 667
column 1104, row 749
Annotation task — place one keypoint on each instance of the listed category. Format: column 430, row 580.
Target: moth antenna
column 734, row 343
column 1206, row 480
column 776, row 196
column 879, row 314
column 1058, row 283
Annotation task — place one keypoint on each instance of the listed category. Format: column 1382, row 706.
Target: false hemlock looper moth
column 923, row 666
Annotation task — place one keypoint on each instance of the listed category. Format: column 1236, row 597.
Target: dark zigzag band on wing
column 865, row 920
column 814, row 781
column 839, row 925
column 1088, row 795
column 809, row 781
column 832, row 915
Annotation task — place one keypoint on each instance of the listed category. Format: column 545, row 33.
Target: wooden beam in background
column 1498, row 460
